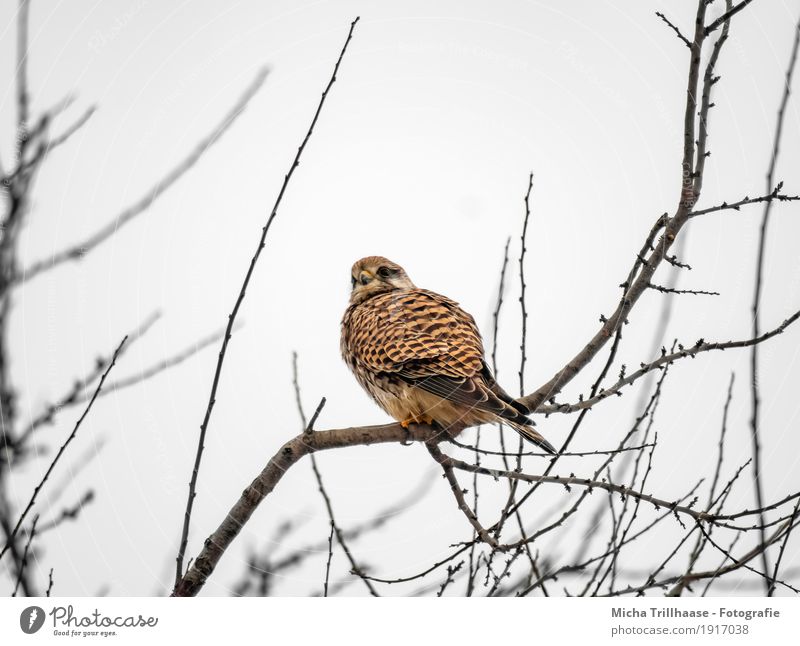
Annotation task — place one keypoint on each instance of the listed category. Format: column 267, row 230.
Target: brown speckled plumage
column 420, row 356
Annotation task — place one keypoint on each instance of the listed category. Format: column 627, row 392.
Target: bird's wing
column 429, row 342
column 415, row 333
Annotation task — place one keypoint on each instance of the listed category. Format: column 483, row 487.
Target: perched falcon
column 420, row 356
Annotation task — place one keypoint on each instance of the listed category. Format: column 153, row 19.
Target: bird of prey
column 420, row 356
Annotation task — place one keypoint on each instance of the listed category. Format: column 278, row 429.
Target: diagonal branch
column 46, row 146
column 458, row 493
column 637, row 285
column 731, row 11
column 292, row 451
column 232, row 316
column 666, row 359
column 24, row 562
column 79, row 251
column 62, row 449
column 677, row 31
column 161, row 366
column 77, row 393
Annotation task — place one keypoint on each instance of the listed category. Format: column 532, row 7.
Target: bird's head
column 375, row 275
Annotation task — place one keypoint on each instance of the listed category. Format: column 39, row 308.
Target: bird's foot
column 422, row 419
column 406, row 423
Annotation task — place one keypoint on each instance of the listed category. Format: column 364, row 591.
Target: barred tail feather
column 530, row 434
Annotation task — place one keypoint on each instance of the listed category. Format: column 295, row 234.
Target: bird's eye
column 353, row 281
column 384, row 272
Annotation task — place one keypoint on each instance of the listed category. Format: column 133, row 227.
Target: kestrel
column 420, row 356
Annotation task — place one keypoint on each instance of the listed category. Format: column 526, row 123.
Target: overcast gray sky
column 422, row 154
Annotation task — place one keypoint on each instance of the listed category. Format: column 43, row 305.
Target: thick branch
column 303, row 444
column 672, row 227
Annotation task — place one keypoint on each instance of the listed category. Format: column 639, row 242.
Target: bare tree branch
column 675, row 29
column 672, row 290
column 216, row 544
column 69, row 513
column 774, row 578
column 23, row 98
column 24, row 562
column 709, row 80
column 232, row 316
column 79, row 251
column 62, row 449
column 724, row 18
column 671, row 228
column 77, row 392
column 666, row 359
column 774, row 195
column 458, row 493
column 161, row 366
column 308, row 430
column 662, row 236
column 756, row 308
column 47, row 146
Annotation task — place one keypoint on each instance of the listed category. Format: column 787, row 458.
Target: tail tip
column 536, row 438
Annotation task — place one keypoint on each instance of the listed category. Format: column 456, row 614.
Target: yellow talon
column 424, row 419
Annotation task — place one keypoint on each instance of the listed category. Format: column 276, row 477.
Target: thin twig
column 774, row 195
column 726, row 16
column 672, row 290
column 48, row 146
column 566, row 454
column 24, row 562
column 308, row 429
column 328, row 563
column 232, row 316
column 667, row 359
column 709, row 80
column 452, row 570
column 77, row 392
column 79, row 251
column 161, row 366
column 774, row 577
column 69, row 513
column 473, row 570
column 637, row 283
column 756, row 307
column 63, row 448
column 524, row 313
column 701, row 543
column 675, row 29
column 458, row 493
column 581, row 566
